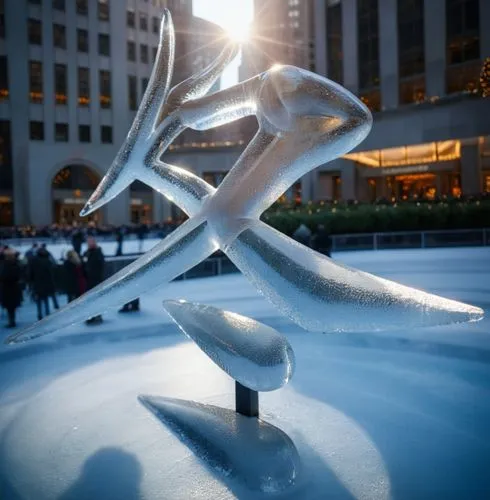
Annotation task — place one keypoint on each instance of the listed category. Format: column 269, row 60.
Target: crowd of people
column 37, row 277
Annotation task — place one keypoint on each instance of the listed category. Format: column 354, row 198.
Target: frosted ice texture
column 257, row 454
column 304, row 120
column 252, row 353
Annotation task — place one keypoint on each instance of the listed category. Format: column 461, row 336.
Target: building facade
column 72, row 73
column 416, row 64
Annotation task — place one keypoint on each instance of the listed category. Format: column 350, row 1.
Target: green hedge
column 367, row 218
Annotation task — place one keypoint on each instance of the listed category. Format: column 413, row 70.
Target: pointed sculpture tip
column 86, row 209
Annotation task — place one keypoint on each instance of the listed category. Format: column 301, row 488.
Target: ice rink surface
column 401, row 414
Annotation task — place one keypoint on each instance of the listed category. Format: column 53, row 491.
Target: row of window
column 35, row 37
column 61, row 132
column 144, row 52
column 103, row 10
column 143, row 21
column 462, row 47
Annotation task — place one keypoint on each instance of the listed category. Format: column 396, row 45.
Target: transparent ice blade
column 320, row 294
column 181, row 250
column 250, row 352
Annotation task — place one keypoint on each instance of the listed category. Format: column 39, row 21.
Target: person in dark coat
column 94, row 270
column 10, row 276
column 120, row 240
column 141, row 231
column 77, row 239
column 74, row 276
column 42, row 280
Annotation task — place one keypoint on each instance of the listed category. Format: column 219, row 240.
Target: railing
column 218, row 265
column 411, row 239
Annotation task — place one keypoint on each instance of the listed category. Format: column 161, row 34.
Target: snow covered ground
column 403, row 414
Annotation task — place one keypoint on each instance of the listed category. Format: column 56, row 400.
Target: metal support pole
column 246, row 401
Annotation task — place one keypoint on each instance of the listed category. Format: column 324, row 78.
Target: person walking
column 74, row 276
column 322, row 242
column 10, row 277
column 94, row 269
column 42, row 280
column 77, row 238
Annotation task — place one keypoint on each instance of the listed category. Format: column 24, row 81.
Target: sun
column 236, row 30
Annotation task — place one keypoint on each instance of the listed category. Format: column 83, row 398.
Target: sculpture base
column 246, row 401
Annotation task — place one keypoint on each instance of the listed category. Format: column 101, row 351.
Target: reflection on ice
column 248, row 450
column 252, row 353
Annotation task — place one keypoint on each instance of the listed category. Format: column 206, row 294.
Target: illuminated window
column 105, row 88
column 83, row 87
column 59, row 36
column 36, row 81
column 462, row 45
column 60, row 83
column 412, row 90
column 372, row 99
column 35, row 31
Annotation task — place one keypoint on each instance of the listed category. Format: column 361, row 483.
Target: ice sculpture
column 252, row 353
column 304, row 120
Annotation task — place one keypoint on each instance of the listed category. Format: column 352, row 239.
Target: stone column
column 320, row 20
column 388, row 53
column 435, row 47
column 348, row 175
column 471, row 182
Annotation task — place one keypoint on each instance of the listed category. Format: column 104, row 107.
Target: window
column 155, row 49
column 84, row 133
column 368, row 52
column 60, row 83
column 368, row 59
column 59, row 5
column 61, row 132
column 411, row 59
column 106, row 134
column 36, row 81
column 105, row 88
column 59, row 36
column 334, row 43
column 83, row 87
column 82, row 7
column 143, row 22
column 82, row 40
column 2, row 23
column 103, row 10
column 35, row 34
column 36, row 131
column 4, row 80
column 130, row 18
column 155, row 23
column 35, row 2
column 462, row 45
column 144, row 84
column 144, row 53
column 132, row 93
column 104, row 45
column 131, row 51
column 6, row 173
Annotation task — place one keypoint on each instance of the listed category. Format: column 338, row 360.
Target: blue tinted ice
column 252, row 353
column 304, row 120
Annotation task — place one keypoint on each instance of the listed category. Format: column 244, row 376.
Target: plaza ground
column 400, row 414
